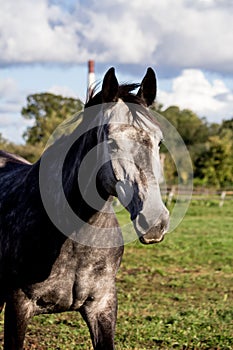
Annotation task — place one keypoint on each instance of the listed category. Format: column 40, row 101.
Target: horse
column 60, row 241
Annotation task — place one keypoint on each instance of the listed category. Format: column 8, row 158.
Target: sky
column 45, row 46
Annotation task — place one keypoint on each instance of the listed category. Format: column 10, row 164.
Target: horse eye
column 113, row 144
column 160, row 143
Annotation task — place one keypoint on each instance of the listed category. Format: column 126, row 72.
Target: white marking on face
column 157, row 166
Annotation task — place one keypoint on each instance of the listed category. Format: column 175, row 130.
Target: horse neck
column 102, row 230
column 61, row 164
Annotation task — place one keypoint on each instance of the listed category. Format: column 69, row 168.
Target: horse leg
column 100, row 316
column 18, row 311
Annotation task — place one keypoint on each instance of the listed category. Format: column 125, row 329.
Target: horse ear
column 148, row 87
column 110, row 86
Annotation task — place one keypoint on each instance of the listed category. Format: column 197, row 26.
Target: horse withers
column 60, row 242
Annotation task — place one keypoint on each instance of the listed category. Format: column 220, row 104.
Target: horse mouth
column 151, row 240
column 153, row 236
column 155, row 233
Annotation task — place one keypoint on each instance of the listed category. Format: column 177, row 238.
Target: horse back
column 13, row 169
column 9, row 159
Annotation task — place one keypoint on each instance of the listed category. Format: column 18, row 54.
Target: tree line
column 210, row 144
column 210, row 147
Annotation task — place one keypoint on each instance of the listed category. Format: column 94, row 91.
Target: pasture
column 174, row 295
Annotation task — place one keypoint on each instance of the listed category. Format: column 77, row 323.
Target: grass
column 174, row 295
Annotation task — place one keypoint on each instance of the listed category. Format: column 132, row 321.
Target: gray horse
column 60, row 242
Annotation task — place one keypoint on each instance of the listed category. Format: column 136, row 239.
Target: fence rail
column 173, row 193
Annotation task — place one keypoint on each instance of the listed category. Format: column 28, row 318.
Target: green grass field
column 174, row 295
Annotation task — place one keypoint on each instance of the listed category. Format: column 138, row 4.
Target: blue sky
column 45, row 46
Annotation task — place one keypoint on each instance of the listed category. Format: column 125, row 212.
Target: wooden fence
column 173, row 193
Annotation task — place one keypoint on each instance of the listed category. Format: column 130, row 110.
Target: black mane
column 124, row 93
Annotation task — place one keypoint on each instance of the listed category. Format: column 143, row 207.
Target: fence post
column 170, row 196
column 222, row 197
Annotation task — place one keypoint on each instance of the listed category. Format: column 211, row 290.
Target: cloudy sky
column 45, row 45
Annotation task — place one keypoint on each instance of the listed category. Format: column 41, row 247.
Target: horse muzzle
column 156, row 233
column 152, row 237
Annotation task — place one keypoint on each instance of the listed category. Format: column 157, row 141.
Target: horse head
column 133, row 170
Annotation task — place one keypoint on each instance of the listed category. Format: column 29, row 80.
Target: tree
column 29, row 152
column 214, row 166
column 191, row 128
column 227, row 125
column 47, row 111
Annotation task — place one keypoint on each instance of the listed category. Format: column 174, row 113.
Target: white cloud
column 173, row 36
column 193, row 91
column 8, row 86
column 10, row 98
column 12, row 124
column 179, row 39
column 33, row 31
column 64, row 91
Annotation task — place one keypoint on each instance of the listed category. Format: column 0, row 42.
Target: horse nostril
column 142, row 222
column 165, row 223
